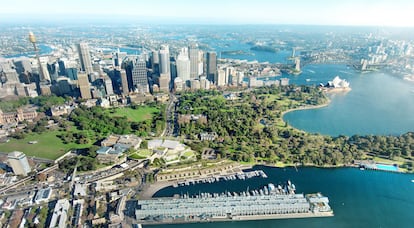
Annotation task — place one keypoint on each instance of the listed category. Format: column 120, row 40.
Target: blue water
column 43, row 50
column 387, row 167
column 378, row 103
column 359, row 198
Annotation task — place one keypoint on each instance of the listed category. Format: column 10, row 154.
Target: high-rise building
column 124, row 81
column 53, row 68
column 211, row 66
column 18, row 162
column 72, row 73
column 84, row 87
column 200, row 63
column 62, row 67
column 155, row 62
column 23, row 66
column 85, row 58
column 183, row 65
column 221, row 77
column 164, row 81
column 108, row 85
column 164, row 58
column 63, row 85
column 140, row 76
column 194, row 61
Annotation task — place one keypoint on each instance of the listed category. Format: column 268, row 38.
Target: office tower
column 72, row 73
column 155, row 62
column 140, row 76
column 45, row 72
column 211, row 66
column 124, row 81
column 221, row 77
column 164, row 81
column 85, row 58
column 119, row 58
column 240, row 77
column 164, row 58
column 8, row 74
column 23, row 66
column 194, row 61
column 108, row 85
column 32, row 40
column 62, row 67
column 183, row 65
column 63, row 85
column 52, row 69
column 84, row 87
column 18, row 162
column 200, row 62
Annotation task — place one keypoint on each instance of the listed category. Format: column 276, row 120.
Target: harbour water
column 378, row 103
column 358, row 198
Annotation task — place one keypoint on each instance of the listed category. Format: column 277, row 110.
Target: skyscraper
column 164, row 58
column 108, row 85
column 140, row 76
column 85, row 58
column 164, row 81
column 194, row 61
column 62, row 67
column 124, row 81
column 155, row 62
column 18, row 162
column 84, row 87
column 183, row 65
column 211, row 66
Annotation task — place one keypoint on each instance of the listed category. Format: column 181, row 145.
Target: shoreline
column 307, row 107
column 149, row 190
column 245, row 218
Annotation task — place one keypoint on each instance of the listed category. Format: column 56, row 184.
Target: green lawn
column 188, row 154
column 136, row 115
column 144, row 153
column 49, row 146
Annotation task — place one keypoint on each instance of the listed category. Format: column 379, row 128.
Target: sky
column 315, row 12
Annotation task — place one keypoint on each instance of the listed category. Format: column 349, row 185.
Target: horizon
column 382, row 13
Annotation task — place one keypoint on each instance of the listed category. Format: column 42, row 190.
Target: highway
column 170, row 118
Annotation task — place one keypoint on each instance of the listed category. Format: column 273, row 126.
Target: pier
column 271, row 202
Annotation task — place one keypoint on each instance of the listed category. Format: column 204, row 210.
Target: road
column 170, row 118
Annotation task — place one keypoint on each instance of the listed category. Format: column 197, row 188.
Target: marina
column 269, row 202
column 236, row 176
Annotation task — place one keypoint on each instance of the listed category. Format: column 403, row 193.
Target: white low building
column 60, row 213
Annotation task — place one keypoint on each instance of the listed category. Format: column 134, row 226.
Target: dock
column 271, row 202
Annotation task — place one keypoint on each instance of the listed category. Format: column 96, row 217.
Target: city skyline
column 319, row 12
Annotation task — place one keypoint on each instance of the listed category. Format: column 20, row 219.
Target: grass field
column 136, row 115
column 144, row 153
column 188, row 154
column 48, row 145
